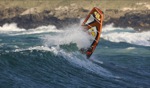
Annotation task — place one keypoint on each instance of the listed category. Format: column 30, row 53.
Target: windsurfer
column 93, row 23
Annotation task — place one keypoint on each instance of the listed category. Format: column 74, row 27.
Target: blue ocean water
column 46, row 57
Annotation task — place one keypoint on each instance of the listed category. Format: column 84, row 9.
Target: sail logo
column 97, row 15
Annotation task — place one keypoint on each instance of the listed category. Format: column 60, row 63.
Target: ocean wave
column 116, row 34
column 10, row 27
column 76, row 58
column 27, row 58
column 74, row 34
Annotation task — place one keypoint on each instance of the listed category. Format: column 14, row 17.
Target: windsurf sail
column 93, row 24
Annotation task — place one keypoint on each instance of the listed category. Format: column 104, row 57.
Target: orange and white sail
column 93, row 24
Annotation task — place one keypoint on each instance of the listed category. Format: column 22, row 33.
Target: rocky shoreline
column 62, row 16
column 138, row 19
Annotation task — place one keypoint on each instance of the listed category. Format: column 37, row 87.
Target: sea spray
column 10, row 27
column 72, row 34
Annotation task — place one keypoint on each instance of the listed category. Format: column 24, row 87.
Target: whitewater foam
column 116, row 34
column 130, row 48
column 72, row 34
column 10, row 27
column 38, row 30
column 44, row 48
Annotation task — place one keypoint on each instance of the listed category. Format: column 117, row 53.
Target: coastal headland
column 31, row 14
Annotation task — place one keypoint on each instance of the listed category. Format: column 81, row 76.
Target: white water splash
column 38, row 30
column 13, row 30
column 10, row 27
column 130, row 48
column 73, row 34
column 41, row 48
column 116, row 34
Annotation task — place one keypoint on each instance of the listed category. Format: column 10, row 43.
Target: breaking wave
column 76, row 58
column 42, row 57
column 128, row 35
column 10, row 27
column 74, row 34
column 13, row 30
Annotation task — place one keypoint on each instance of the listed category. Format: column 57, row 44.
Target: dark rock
column 34, row 20
column 139, row 20
column 10, row 12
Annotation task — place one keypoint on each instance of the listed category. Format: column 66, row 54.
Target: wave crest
column 117, row 34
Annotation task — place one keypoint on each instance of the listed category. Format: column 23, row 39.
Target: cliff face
column 10, row 12
column 30, row 18
column 29, row 21
column 62, row 16
column 139, row 20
